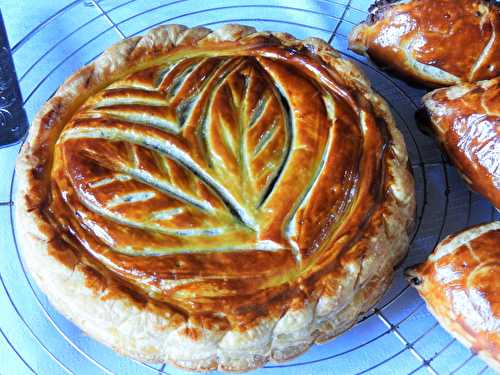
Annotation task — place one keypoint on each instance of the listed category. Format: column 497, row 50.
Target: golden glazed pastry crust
column 432, row 42
column 459, row 283
column 214, row 199
column 466, row 122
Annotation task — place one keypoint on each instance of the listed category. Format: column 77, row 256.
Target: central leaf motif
column 181, row 158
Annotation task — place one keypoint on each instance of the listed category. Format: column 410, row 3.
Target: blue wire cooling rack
column 398, row 336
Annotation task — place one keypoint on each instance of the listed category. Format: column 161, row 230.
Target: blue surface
column 394, row 339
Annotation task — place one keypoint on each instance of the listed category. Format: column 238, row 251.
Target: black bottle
column 13, row 120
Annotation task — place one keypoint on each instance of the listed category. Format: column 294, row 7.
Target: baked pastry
column 215, row 199
column 459, row 283
column 466, row 121
column 432, row 42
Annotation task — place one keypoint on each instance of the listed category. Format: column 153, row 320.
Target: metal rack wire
column 444, row 204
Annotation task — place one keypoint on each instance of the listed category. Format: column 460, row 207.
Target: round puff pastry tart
column 459, row 282
column 466, row 122
column 432, row 42
column 214, row 199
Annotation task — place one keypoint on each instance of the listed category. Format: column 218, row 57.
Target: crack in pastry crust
column 216, row 199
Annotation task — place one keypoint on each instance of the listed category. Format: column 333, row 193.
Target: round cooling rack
column 397, row 336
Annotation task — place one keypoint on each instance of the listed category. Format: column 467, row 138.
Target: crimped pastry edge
column 448, row 246
column 147, row 335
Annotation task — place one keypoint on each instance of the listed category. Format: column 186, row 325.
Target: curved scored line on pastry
column 214, row 199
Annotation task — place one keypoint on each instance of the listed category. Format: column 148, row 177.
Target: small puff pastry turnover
column 459, row 282
column 432, row 42
column 466, row 122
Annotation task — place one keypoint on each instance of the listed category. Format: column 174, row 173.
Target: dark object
column 377, row 9
column 13, row 120
column 423, row 120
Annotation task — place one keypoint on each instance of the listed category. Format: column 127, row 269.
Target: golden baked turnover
column 432, row 42
column 459, row 282
column 466, row 122
column 215, row 199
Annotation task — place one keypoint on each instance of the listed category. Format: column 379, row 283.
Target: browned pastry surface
column 229, row 197
column 466, row 122
column 459, row 282
column 433, row 42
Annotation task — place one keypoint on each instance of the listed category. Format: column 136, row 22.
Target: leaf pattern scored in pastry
column 210, row 154
column 225, row 135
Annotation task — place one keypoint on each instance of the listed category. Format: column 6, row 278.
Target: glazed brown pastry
column 432, row 42
column 215, row 199
column 460, row 284
column 466, row 121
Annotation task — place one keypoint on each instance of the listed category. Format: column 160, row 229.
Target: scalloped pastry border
column 151, row 335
